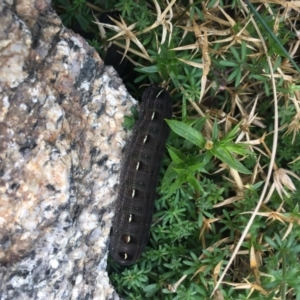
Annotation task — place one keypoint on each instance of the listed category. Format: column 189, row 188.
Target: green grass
column 234, row 81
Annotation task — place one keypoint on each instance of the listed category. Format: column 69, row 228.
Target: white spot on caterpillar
column 145, row 139
column 130, row 218
column 159, row 93
column 126, row 238
column 133, row 193
column 153, row 115
column 137, row 165
column 125, row 255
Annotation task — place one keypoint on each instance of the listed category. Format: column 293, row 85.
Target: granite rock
column 61, row 137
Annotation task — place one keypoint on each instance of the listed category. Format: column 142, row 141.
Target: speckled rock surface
column 61, row 138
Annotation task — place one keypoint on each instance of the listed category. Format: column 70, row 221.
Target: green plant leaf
column 187, row 132
column 229, row 159
column 176, row 155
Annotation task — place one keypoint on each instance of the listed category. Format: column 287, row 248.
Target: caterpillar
column 139, row 177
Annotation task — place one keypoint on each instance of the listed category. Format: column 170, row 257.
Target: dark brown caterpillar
column 139, row 177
